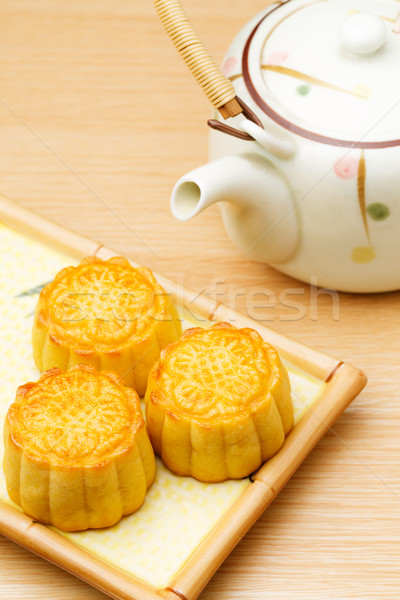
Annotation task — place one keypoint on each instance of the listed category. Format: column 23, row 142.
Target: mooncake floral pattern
column 114, row 300
column 192, row 374
column 75, row 418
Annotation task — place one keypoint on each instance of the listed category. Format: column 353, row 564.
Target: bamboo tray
column 219, row 514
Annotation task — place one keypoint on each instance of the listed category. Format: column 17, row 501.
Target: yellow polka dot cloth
column 179, row 512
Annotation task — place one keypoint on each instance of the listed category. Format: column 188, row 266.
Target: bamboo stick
column 336, row 395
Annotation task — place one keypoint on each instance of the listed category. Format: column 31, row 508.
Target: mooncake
column 77, row 454
column 106, row 314
column 218, row 403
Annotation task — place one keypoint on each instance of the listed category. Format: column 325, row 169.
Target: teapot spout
column 257, row 204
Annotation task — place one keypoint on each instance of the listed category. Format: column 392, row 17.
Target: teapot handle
column 251, row 128
column 218, row 88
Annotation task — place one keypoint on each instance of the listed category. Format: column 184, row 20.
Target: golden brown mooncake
column 218, row 403
column 77, row 454
column 106, row 314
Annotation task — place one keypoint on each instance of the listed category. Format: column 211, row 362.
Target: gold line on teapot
column 359, row 92
column 361, row 176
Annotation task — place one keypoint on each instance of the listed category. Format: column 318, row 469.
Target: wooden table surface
column 98, row 119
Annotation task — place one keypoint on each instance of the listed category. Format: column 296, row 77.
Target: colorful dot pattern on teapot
column 278, row 57
column 378, row 211
column 349, row 167
column 363, row 254
column 346, row 167
column 229, row 65
column 303, row 90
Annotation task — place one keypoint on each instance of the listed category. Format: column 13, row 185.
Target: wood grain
column 98, row 120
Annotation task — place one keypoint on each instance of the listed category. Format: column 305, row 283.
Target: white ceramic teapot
column 316, row 193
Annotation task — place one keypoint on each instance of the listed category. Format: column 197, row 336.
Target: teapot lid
column 328, row 70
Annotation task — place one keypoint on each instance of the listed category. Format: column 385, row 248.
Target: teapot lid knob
column 363, row 33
